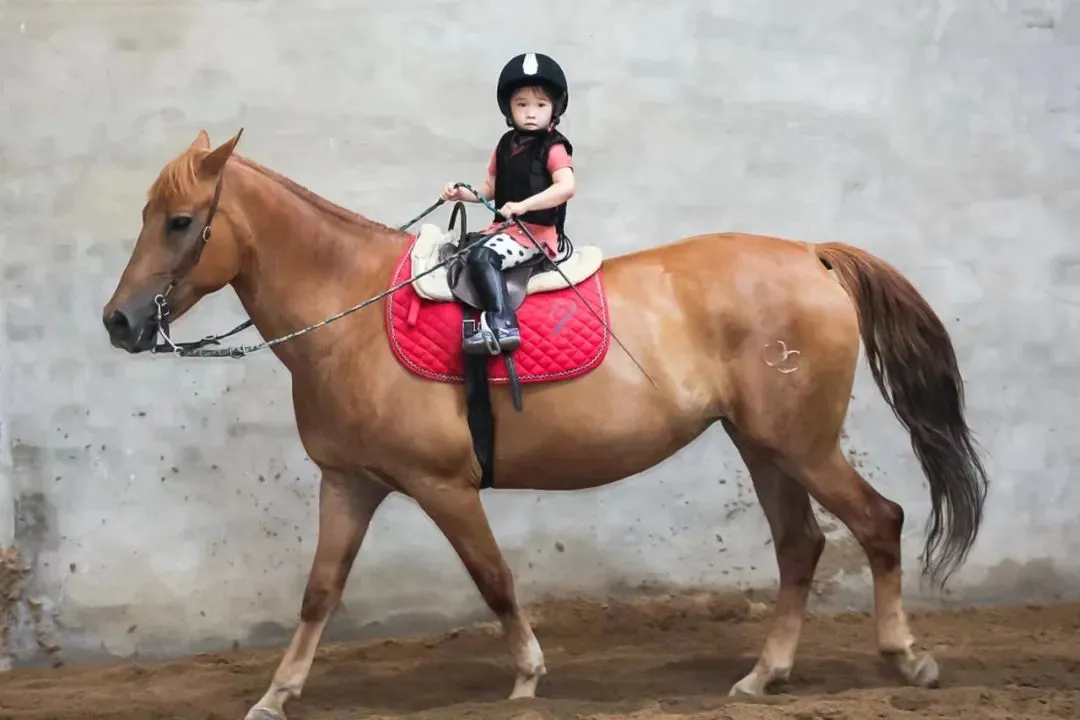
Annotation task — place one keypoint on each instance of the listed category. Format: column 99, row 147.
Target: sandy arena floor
column 671, row 658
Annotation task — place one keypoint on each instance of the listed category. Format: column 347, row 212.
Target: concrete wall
column 166, row 506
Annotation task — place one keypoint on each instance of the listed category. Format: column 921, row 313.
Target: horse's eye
column 179, row 222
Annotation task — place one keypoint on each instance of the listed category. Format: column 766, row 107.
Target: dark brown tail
column 913, row 363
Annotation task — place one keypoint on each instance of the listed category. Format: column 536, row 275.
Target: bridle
column 188, row 262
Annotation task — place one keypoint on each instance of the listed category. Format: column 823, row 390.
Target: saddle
column 450, row 283
column 447, row 284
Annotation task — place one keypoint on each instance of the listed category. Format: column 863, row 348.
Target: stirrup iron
column 482, row 338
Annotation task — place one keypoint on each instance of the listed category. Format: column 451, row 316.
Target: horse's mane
column 179, row 178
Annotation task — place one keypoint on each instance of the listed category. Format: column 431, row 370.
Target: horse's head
column 176, row 261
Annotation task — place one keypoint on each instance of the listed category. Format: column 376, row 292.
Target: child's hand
column 511, row 209
column 450, row 193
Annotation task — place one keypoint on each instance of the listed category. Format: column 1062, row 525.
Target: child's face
column 530, row 108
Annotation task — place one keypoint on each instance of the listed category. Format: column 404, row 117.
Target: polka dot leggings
column 513, row 253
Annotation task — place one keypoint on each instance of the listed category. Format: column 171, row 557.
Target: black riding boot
column 498, row 331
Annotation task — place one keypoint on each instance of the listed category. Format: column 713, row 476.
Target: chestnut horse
column 759, row 333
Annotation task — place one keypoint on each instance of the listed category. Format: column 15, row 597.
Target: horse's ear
column 202, row 141
column 212, row 164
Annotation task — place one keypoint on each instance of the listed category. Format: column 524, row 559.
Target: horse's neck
column 306, row 260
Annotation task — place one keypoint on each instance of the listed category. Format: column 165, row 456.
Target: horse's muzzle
column 132, row 327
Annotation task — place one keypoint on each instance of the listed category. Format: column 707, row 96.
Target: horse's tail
column 914, row 365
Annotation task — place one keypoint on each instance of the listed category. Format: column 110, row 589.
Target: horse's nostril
column 118, row 326
column 131, row 326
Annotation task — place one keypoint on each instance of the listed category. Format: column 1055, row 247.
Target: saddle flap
column 516, row 279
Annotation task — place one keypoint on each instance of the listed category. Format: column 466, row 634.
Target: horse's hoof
column 925, row 673
column 525, row 687
column 747, row 687
column 262, row 713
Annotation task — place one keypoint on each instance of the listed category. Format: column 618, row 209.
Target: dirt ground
column 648, row 658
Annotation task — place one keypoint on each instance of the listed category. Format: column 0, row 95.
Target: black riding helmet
column 532, row 69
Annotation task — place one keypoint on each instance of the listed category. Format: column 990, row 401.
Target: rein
column 198, row 348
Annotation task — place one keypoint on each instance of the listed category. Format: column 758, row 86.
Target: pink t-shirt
column 546, row 235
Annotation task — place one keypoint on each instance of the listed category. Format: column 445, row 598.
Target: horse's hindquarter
column 783, row 332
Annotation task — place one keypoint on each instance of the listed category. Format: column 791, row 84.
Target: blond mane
column 179, row 178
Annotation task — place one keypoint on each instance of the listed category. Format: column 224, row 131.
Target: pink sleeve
column 558, row 159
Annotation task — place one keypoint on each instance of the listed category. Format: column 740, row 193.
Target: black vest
column 522, row 174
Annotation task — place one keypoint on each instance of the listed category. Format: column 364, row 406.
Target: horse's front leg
column 457, row 511
column 346, row 506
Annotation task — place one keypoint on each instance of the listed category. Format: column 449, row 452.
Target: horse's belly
column 575, row 450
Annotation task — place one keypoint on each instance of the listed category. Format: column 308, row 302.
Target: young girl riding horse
column 530, row 176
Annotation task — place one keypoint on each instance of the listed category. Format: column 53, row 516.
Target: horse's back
column 719, row 272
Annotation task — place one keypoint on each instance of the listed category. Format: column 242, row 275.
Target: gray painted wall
column 166, row 506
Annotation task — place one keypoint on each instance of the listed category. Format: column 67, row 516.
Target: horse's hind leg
column 457, row 511
column 876, row 522
column 799, row 542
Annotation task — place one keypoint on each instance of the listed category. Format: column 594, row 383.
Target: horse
column 758, row 333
